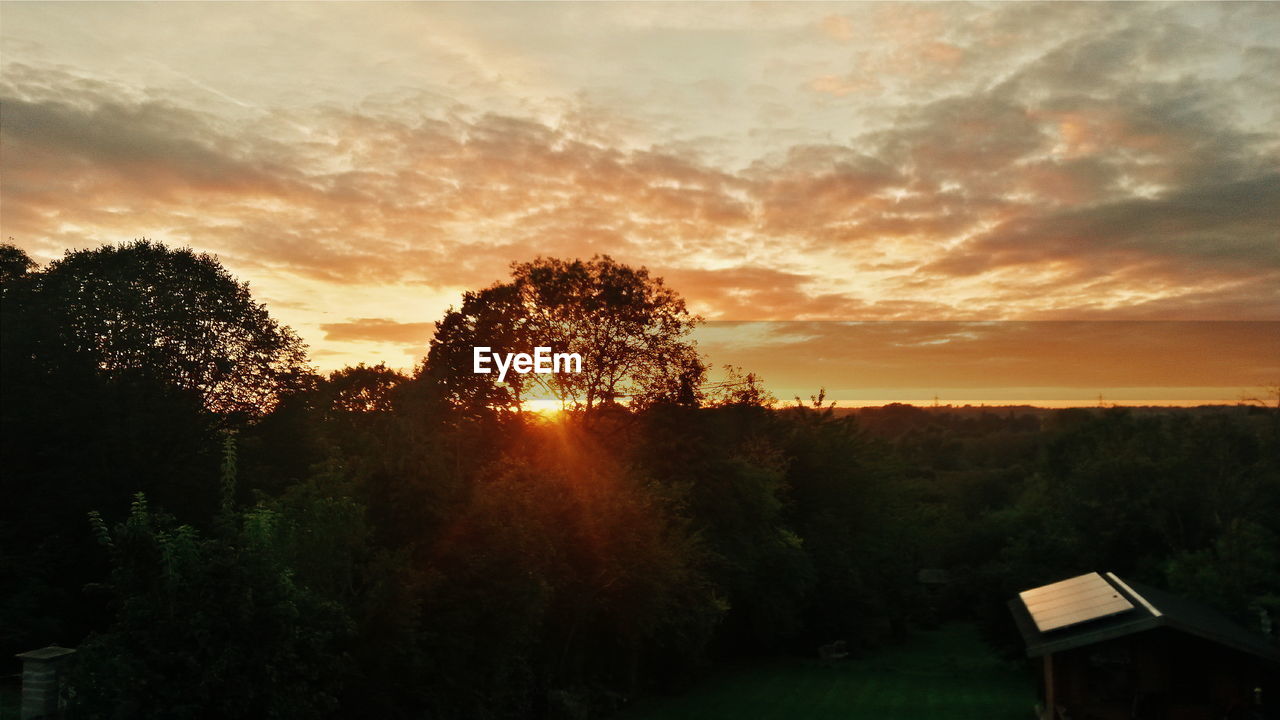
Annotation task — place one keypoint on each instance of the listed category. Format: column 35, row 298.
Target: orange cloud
column 1076, row 358
column 381, row 330
column 837, row 27
column 1069, row 182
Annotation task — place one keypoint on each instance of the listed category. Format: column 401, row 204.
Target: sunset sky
column 361, row 165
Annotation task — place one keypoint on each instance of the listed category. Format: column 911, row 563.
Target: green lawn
column 946, row 673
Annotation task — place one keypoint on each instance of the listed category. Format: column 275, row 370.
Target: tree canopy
column 14, row 263
column 174, row 315
column 375, row 545
column 630, row 330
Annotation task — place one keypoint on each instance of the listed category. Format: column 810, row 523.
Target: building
column 1111, row 648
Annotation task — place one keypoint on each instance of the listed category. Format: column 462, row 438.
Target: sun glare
column 547, row 407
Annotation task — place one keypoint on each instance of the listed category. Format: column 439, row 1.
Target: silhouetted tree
column 110, row 362
column 142, row 308
column 14, row 263
column 362, row 388
column 630, row 330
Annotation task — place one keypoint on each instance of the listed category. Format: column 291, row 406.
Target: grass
column 945, row 673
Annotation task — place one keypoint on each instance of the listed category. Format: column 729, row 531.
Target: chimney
column 42, row 680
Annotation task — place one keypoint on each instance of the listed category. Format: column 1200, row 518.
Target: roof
column 1152, row 608
column 1073, row 601
column 52, row 652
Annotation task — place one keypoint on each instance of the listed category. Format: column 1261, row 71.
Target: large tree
column 14, row 263
column 630, row 330
column 110, row 362
column 146, row 310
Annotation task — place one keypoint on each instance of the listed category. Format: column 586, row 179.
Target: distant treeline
column 224, row 533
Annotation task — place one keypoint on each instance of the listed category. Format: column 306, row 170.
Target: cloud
column 837, row 27
column 1228, row 228
column 956, row 355
column 374, row 199
column 936, row 161
column 154, row 147
column 762, row 293
column 380, row 330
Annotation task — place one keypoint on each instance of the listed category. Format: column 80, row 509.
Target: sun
column 546, row 407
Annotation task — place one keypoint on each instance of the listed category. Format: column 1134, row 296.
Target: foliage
column 112, row 362
column 628, row 328
column 740, row 388
column 209, row 626
column 142, row 308
column 379, row 545
column 557, row 574
column 362, row 388
column 14, row 263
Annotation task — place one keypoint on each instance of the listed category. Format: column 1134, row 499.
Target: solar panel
column 1071, row 601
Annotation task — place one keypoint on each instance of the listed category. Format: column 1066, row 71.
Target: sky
column 985, row 202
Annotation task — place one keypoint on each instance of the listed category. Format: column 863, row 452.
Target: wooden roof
column 1152, row 608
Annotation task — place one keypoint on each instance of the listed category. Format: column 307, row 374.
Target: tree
column 562, row 572
column 362, row 388
column 142, row 309
column 221, row 624
column 110, row 363
column 14, row 263
column 629, row 329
